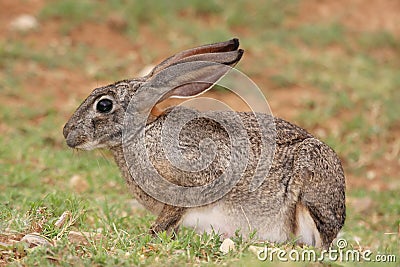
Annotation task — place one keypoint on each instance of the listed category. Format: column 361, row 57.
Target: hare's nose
column 73, row 137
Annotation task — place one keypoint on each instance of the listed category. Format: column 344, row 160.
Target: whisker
column 104, row 156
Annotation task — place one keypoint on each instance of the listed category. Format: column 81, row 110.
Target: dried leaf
column 61, row 221
column 34, row 239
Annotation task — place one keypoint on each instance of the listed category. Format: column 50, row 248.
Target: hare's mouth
column 89, row 145
column 81, row 144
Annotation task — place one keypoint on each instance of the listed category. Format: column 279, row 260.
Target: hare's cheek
column 102, row 125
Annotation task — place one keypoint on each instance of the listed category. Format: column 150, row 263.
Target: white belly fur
column 215, row 217
column 209, row 218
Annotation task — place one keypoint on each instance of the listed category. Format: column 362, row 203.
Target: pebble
column 226, row 246
column 24, row 23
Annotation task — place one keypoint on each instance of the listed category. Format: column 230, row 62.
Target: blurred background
column 332, row 67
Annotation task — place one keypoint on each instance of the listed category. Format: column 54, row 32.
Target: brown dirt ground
column 357, row 15
column 376, row 15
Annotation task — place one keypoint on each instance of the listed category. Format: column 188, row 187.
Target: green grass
column 356, row 107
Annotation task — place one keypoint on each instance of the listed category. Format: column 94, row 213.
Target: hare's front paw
column 156, row 229
column 168, row 220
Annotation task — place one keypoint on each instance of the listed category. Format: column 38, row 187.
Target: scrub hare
column 302, row 196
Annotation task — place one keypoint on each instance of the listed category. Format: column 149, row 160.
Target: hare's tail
column 321, row 210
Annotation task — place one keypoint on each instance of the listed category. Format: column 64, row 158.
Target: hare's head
column 99, row 120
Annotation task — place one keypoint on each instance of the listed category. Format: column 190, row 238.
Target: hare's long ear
column 227, row 46
column 187, row 77
column 193, row 75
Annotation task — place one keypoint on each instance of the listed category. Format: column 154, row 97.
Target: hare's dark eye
column 104, row 105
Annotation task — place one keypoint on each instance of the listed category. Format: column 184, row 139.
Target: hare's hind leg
column 322, row 194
